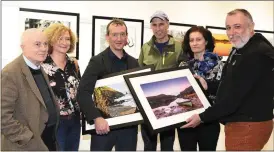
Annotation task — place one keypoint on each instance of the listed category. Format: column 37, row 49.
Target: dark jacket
column 98, row 67
column 246, row 90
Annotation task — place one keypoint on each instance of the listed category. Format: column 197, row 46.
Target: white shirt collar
column 30, row 64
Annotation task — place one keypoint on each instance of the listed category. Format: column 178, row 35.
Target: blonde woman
column 64, row 76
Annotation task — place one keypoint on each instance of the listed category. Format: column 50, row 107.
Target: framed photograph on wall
column 222, row 44
column 115, row 102
column 135, row 29
column 34, row 18
column 166, row 98
column 269, row 35
column 177, row 30
column 147, row 33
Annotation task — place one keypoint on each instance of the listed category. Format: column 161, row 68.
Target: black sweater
column 45, row 92
column 246, row 90
column 99, row 66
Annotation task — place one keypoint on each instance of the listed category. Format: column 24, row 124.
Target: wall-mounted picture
column 33, row 18
column 177, row 30
column 147, row 33
column 222, row 44
column 135, row 29
column 115, row 102
column 166, row 98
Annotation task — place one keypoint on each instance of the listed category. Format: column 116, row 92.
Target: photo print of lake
column 114, row 100
column 222, row 45
column 171, row 97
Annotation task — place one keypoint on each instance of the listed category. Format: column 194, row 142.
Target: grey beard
column 243, row 43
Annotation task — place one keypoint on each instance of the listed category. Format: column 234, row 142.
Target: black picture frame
column 36, row 18
column 135, row 34
column 158, row 110
column 122, row 120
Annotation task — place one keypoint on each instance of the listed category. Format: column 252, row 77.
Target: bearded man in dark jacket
column 245, row 94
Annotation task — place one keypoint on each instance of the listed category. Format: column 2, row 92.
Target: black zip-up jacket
column 246, row 90
column 99, row 66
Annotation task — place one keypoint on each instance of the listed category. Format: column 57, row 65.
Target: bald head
column 29, row 34
column 34, row 45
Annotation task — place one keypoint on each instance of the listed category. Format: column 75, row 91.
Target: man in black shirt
column 244, row 98
column 113, row 59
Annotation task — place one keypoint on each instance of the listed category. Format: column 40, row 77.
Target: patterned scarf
column 203, row 68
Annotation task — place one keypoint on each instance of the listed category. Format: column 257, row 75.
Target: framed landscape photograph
column 135, row 29
column 177, row 30
column 115, row 102
column 147, row 33
column 166, row 98
column 33, row 18
column 222, row 44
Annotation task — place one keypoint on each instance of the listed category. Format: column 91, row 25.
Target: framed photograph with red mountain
column 166, row 98
column 115, row 102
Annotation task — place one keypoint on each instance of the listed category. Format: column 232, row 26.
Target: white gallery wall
column 203, row 13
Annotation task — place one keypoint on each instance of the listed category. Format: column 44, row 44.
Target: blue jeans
column 68, row 133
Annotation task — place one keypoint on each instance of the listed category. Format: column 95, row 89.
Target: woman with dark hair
column 198, row 46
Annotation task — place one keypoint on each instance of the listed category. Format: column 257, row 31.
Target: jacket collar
column 30, row 64
column 114, row 57
column 171, row 40
column 27, row 73
column 255, row 38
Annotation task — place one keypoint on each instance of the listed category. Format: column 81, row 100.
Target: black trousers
column 150, row 141
column 48, row 136
column 124, row 139
column 206, row 135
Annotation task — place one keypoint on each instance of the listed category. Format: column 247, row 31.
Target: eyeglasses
column 122, row 35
